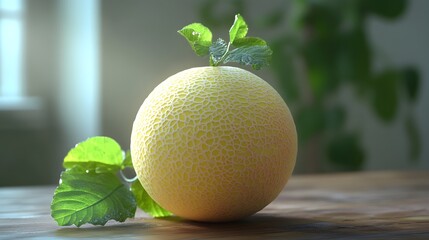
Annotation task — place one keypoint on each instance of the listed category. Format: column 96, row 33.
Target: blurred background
column 354, row 73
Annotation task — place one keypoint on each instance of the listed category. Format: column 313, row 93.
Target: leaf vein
column 93, row 204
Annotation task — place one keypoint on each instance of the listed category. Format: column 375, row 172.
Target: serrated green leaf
column 218, row 51
column 249, row 51
column 198, row 36
column 249, row 41
column 96, row 153
column 256, row 56
column 89, row 197
column 146, row 203
column 238, row 29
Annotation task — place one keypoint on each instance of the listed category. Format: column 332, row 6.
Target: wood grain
column 368, row 205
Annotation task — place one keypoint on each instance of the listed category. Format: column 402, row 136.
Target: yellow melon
column 214, row 144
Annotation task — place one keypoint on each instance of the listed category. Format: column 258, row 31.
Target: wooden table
column 368, row 205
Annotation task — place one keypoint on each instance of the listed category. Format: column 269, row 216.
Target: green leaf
column 411, row 82
column 127, row 160
column 323, row 18
column 346, row 152
column 198, row 36
column 249, row 51
column 310, row 121
column 238, row 29
column 249, row 41
column 89, row 197
column 256, row 56
column 355, row 58
column 385, row 98
column 146, row 203
column 320, row 57
column 413, row 138
column 218, row 51
column 389, row 9
column 96, row 153
column 283, row 67
column 319, row 77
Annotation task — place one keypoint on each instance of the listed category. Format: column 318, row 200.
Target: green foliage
column 127, row 160
column 90, row 197
column 250, row 51
column 346, row 152
column 309, row 122
column 90, row 190
column 238, row 29
column 99, row 153
column 198, row 36
column 385, row 97
column 146, row 203
column 387, row 9
column 410, row 80
column 323, row 47
column 217, row 51
column 256, row 56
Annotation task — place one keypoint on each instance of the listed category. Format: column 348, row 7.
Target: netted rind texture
column 214, row 144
